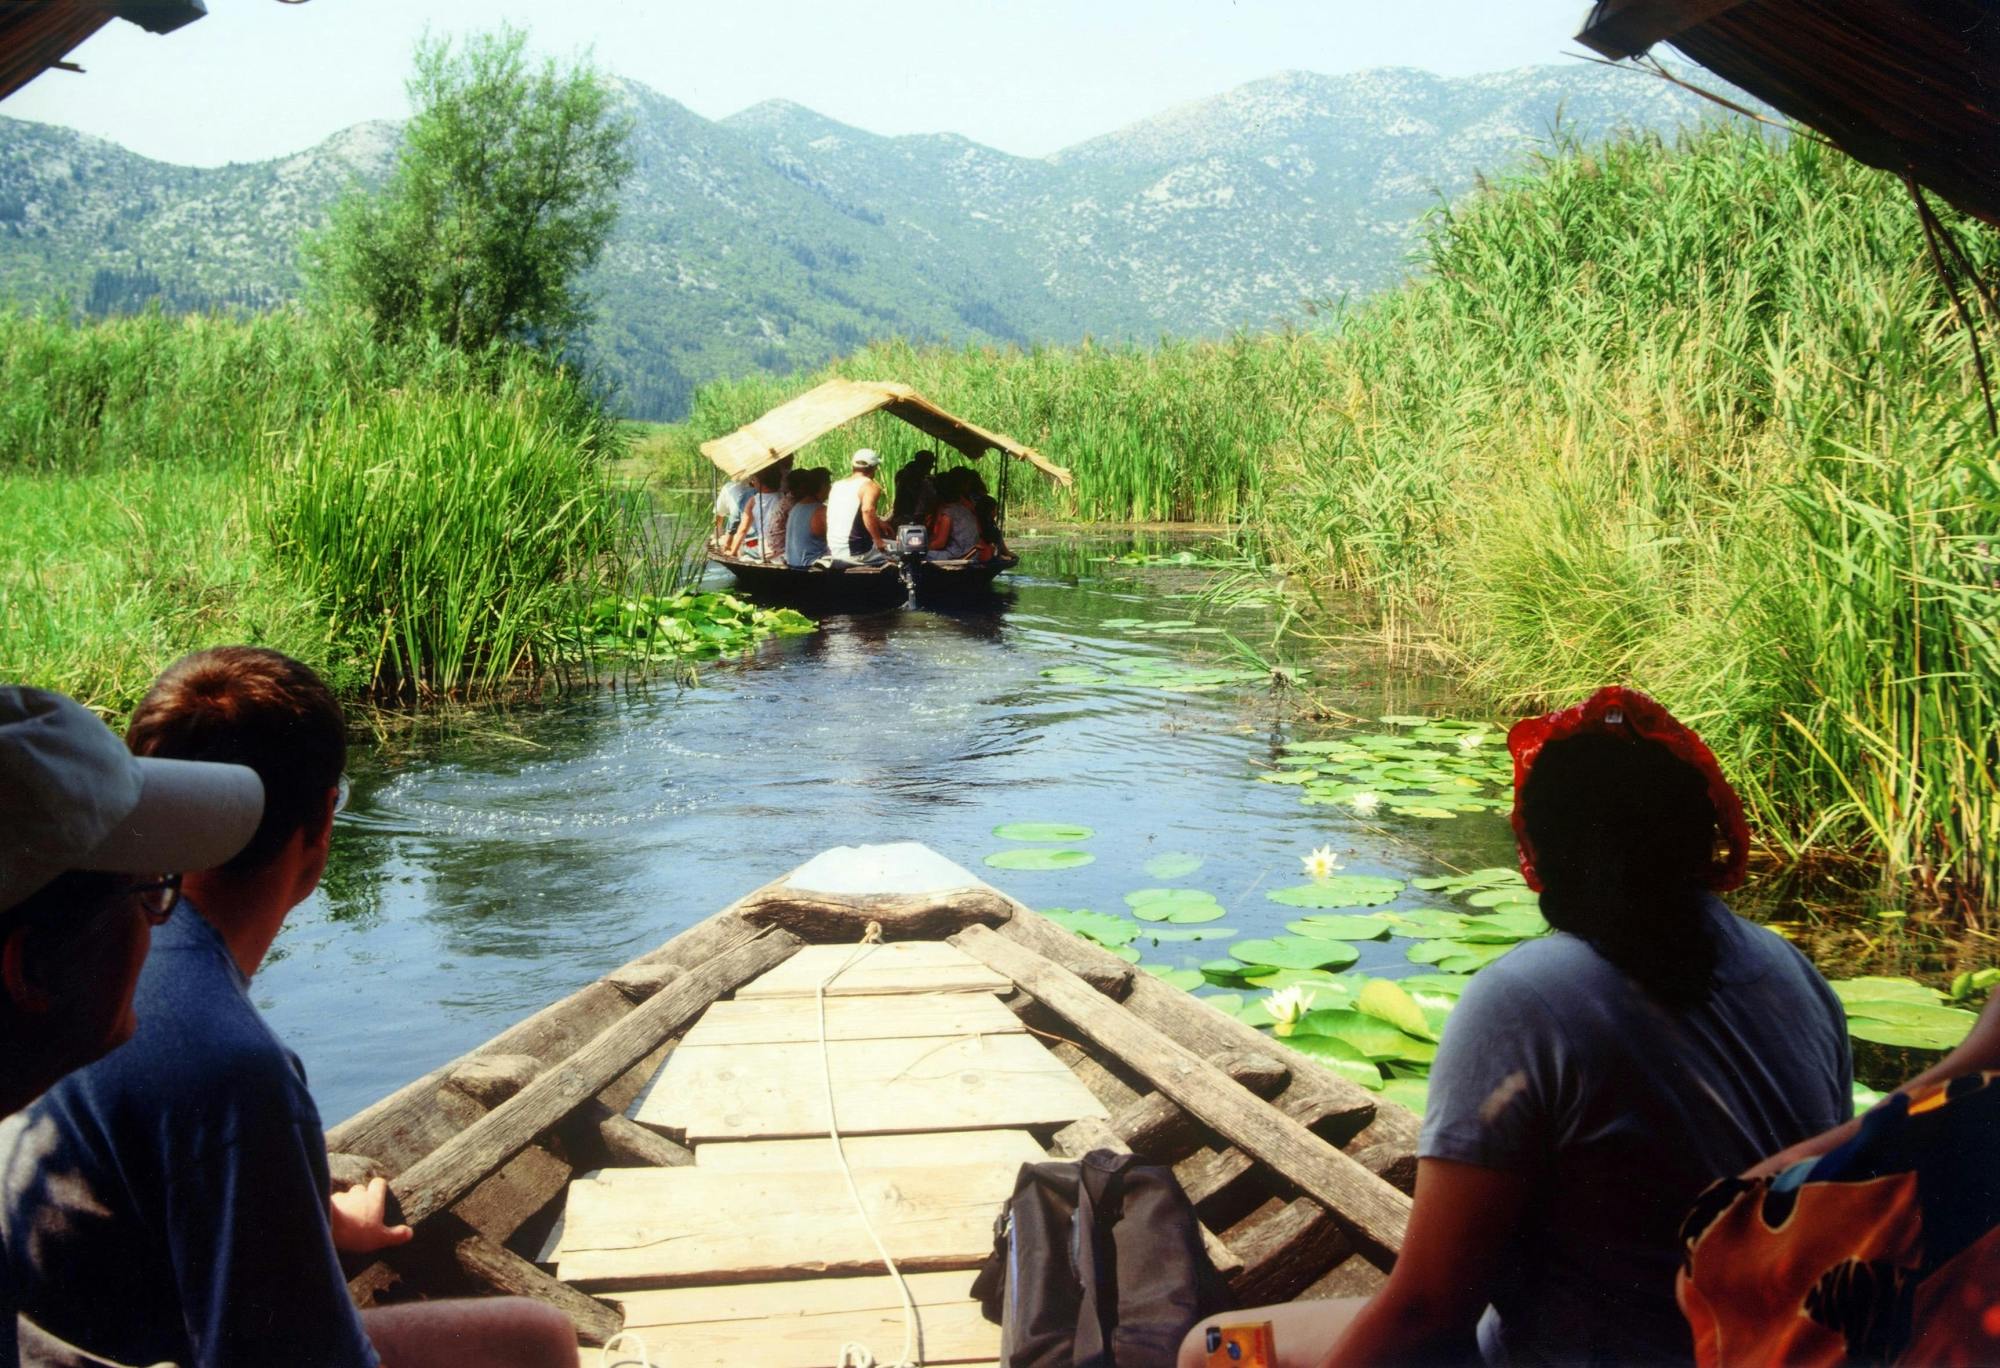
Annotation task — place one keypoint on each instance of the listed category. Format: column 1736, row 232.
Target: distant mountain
column 776, row 238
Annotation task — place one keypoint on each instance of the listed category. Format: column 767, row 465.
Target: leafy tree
column 502, row 196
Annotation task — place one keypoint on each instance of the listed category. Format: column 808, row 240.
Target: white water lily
column 1320, row 864
column 1288, row 1005
column 1471, row 741
column 1364, row 803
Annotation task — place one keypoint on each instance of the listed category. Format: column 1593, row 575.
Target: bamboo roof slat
column 820, row 410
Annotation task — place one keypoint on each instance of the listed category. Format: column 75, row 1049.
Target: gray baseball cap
column 72, row 797
column 864, row 459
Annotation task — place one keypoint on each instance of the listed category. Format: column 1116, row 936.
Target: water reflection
column 481, row 873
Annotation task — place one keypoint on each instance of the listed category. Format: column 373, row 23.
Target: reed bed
column 1692, row 415
column 410, row 521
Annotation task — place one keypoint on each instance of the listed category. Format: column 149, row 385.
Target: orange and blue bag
column 1884, row 1251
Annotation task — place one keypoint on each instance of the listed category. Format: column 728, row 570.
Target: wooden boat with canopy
column 910, row 577
column 654, row 1154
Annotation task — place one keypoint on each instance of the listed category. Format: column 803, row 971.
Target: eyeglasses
column 340, row 792
column 156, row 897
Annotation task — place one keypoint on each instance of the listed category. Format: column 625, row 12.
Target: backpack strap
column 1101, row 1182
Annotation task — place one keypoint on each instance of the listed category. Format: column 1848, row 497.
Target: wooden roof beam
column 1625, row 28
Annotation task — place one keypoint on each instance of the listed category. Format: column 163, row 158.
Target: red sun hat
column 1618, row 711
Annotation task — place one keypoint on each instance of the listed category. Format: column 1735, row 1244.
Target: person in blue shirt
column 171, row 1202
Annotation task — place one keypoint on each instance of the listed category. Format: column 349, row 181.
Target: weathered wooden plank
column 407, row 1124
column 676, row 1227
column 903, row 1016
column 1106, row 1086
column 1353, row 1276
column 889, row 967
column 1201, row 1029
column 871, row 1151
column 1375, row 1212
column 504, row 1271
column 1284, row 1249
column 803, row 1324
column 448, row 1172
column 745, row 1092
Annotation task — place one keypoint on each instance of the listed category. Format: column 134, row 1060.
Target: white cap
column 865, row 459
column 72, row 797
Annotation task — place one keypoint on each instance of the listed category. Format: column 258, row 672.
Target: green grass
column 410, row 522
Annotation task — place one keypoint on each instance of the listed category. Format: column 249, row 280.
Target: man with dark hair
column 188, row 1170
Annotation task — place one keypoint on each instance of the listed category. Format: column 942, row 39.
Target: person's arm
column 742, row 528
column 1980, row 1050
column 940, row 533
column 1460, row 1225
column 818, row 524
column 871, row 494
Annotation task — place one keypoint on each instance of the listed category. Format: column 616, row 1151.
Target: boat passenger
column 748, row 540
column 86, row 831
column 170, row 1202
column 1592, row 1082
column 954, row 527
column 729, row 502
column 855, row 532
column 805, row 521
column 916, row 491
column 987, row 509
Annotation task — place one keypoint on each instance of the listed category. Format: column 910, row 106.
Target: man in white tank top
column 854, row 530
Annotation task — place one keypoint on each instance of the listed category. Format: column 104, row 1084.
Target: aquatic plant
column 685, row 626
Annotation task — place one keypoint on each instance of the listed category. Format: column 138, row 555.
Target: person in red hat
column 1592, row 1082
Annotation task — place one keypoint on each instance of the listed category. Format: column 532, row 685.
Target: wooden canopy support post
column 1372, row 1211
column 451, row 1170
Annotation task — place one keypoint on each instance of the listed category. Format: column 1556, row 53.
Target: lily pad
column 1039, row 859
column 1335, row 927
column 1074, row 674
column 1295, row 952
column 1497, row 897
column 1456, row 957
column 1375, row 1038
column 1172, row 864
column 1331, row 990
column 1043, row 831
column 1101, row 927
column 1165, row 934
column 1184, row 979
column 1341, row 890
column 1287, row 776
column 1338, row 1057
column 1436, row 985
column 1228, row 973
column 1404, row 720
column 1128, row 953
column 1384, row 1000
column 1876, row 989
column 1413, row 1093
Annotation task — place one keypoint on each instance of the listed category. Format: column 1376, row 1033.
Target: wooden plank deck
column 755, row 1253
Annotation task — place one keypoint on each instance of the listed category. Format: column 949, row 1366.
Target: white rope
column 858, row 1355
column 604, row 1359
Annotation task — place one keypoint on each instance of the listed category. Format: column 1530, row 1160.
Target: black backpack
column 1097, row 1262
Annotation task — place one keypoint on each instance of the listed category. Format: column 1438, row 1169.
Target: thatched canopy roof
column 37, row 34
column 837, row 403
column 1911, row 88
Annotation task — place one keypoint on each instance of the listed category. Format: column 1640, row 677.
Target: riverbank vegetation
column 1696, row 417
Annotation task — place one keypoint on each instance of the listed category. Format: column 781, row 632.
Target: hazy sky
column 256, row 78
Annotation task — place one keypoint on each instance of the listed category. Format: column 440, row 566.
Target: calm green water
column 487, row 868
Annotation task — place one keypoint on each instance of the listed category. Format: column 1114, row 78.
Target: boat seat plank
column 643, row 1228
column 871, row 1151
column 803, row 1324
column 775, row 1092
column 892, row 967
column 795, row 1020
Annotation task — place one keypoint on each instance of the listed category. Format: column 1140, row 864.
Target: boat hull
column 859, row 588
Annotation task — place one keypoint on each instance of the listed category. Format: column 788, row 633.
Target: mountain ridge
column 776, row 237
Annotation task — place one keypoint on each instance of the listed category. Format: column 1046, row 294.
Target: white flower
column 1320, row 864
column 1287, row 1005
column 1471, row 741
column 1364, row 803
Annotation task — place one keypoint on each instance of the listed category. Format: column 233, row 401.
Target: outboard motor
column 913, row 542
